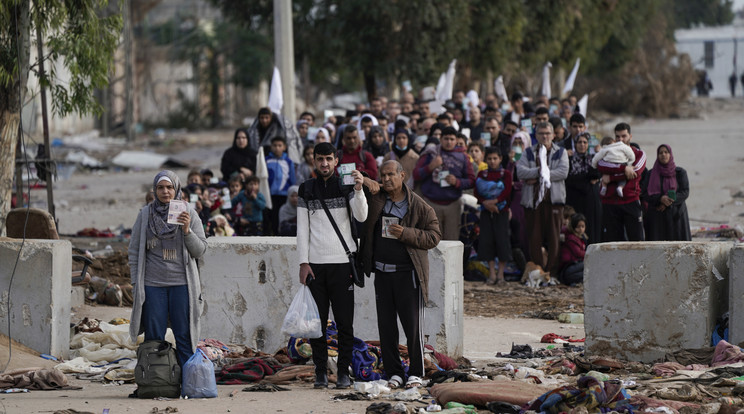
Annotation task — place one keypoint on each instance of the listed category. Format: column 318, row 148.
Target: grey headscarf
column 158, row 220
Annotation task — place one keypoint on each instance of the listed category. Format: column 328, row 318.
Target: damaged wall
column 39, row 296
column 642, row 300
column 249, row 282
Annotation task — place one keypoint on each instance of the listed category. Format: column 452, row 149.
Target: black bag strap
column 333, row 222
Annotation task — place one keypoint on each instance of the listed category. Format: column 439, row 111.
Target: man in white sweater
column 324, row 265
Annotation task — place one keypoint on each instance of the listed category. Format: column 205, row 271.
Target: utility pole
column 45, row 123
column 284, row 55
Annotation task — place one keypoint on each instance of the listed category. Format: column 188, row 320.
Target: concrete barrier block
column 642, row 300
column 736, row 294
column 39, row 296
column 249, row 282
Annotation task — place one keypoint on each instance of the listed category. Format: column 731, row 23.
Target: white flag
column 546, row 80
column 276, row 98
column 583, row 102
column 262, row 172
column 571, row 79
column 444, row 88
column 500, row 89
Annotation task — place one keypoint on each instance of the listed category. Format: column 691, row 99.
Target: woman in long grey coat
column 165, row 277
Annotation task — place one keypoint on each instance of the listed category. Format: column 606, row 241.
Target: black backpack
column 157, row 373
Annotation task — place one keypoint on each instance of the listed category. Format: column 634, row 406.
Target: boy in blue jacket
column 281, row 177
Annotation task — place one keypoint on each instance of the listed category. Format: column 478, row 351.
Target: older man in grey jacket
column 543, row 168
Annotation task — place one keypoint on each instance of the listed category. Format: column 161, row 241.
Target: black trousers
column 398, row 295
column 621, row 220
column 333, row 286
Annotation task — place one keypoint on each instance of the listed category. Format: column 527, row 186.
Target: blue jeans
column 162, row 302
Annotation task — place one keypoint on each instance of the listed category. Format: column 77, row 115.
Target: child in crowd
column 228, row 204
column 218, row 226
column 281, row 177
column 194, row 177
column 306, row 169
column 568, row 212
column 476, row 150
column 195, row 193
column 572, row 252
column 207, row 176
column 248, row 208
column 288, row 213
column 493, row 190
column 616, row 153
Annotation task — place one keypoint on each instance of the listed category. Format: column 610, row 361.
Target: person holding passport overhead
column 163, row 249
column 399, row 230
column 664, row 189
column 324, row 236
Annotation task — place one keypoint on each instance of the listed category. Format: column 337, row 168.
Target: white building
column 717, row 50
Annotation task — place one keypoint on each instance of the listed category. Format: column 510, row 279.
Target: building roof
column 701, row 34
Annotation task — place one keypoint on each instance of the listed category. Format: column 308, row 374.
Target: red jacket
column 368, row 166
column 632, row 190
column 572, row 250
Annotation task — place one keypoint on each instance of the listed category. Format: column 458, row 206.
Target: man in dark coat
column 400, row 229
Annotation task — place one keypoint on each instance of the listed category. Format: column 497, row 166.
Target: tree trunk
column 370, row 84
column 9, row 122
column 11, row 98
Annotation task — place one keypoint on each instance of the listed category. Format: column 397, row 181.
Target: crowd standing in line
column 397, row 177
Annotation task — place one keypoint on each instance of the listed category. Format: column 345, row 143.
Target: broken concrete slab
column 736, row 294
column 249, row 282
column 643, row 300
column 39, row 296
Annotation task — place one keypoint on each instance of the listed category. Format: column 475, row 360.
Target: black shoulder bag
column 356, row 272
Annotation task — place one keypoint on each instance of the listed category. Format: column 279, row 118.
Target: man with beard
column 324, row 265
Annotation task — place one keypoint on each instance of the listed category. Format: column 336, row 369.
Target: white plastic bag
column 198, row 377
column 302, row 319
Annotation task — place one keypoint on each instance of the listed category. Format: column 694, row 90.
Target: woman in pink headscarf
column 664, row 189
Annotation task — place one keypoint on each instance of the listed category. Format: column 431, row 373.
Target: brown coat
column 421, row 233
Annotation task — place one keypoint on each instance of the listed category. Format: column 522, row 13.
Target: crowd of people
column 514, row 181
column 549, row 169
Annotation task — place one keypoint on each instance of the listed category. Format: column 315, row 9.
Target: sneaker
column 619, row 192
column 603, row 191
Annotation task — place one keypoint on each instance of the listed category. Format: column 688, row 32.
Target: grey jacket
column 527, row 169
column 195, row 244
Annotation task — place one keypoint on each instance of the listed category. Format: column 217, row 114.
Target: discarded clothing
column 352, row 396
column 701, row 356
column 444, row 376
column 446, row 363
column 643, row 403
column 594, row 395
column 265, row 388
column 518, row 351
column 726, row 354
column 42, row 379
column 212, row 348
column 552, row 338
column 251, row 370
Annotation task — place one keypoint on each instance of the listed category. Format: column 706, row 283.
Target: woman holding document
column 167, row 238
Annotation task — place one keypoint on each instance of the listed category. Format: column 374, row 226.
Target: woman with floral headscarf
column 162, row 262
column 664, row 189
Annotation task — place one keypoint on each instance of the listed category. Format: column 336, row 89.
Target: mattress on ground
column 483, row 392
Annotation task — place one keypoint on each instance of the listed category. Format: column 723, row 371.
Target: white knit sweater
column 317, row 242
